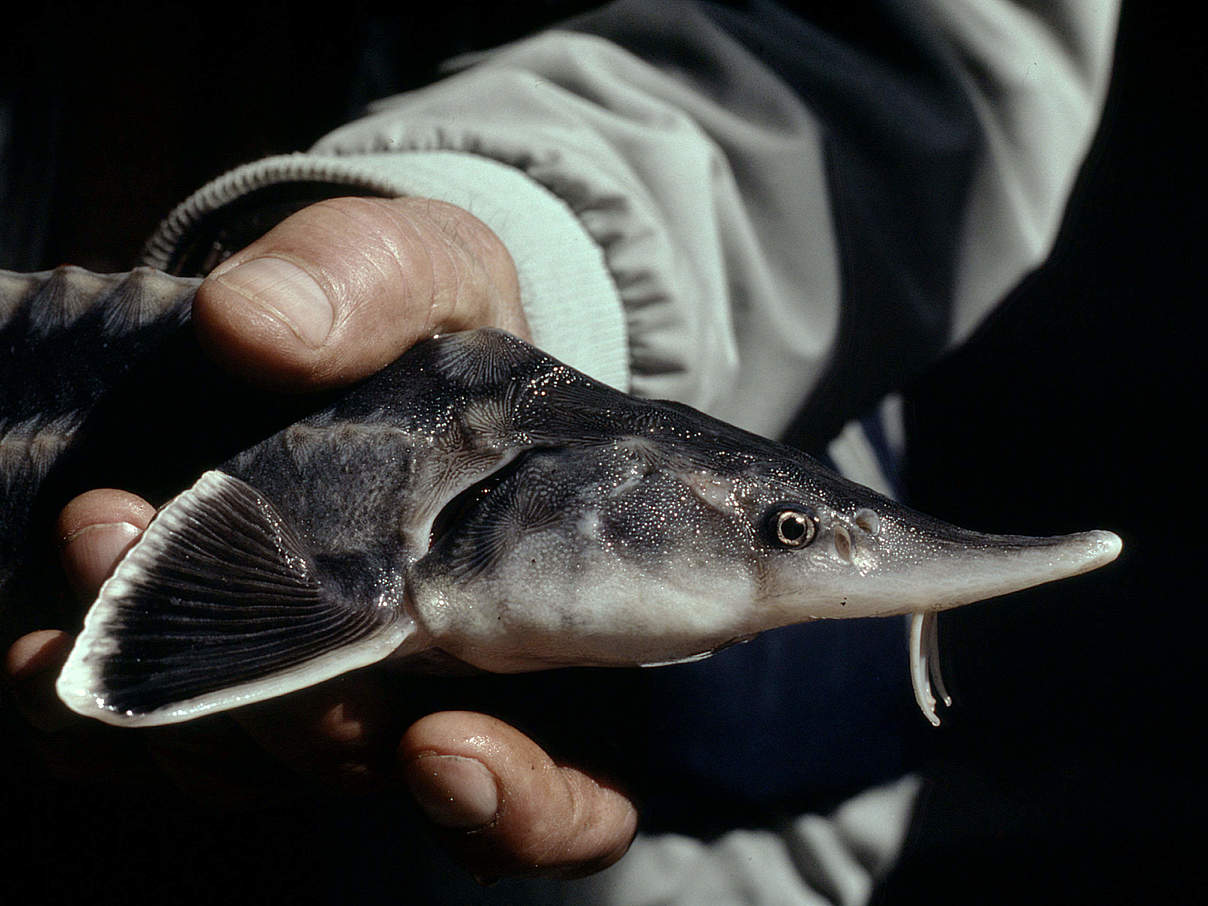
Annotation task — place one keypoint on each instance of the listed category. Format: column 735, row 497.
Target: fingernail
column 455, row 792
column 286, row 292
column 89, row 554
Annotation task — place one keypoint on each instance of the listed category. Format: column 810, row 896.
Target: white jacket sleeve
column 672, row 211
column 1038, row 77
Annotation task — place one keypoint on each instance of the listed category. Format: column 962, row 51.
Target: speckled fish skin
column 66, row 338
column 476, row 499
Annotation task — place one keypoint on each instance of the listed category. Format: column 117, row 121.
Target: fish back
column 67, row 337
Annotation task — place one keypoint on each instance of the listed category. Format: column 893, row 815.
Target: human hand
column 332, row 294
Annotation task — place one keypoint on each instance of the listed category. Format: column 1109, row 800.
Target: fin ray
column 219, row 604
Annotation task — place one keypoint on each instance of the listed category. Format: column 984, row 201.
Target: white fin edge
column 80, row 685
column 77, row 684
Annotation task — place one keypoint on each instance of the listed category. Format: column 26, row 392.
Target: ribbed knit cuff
column 570, row 300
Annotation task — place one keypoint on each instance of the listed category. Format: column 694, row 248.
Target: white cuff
column 572, row 304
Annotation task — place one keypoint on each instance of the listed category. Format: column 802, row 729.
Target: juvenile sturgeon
column 476, row 501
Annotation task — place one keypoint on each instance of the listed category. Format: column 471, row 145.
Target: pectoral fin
column 219, row 604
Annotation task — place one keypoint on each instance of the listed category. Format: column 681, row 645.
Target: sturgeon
column 475, row 503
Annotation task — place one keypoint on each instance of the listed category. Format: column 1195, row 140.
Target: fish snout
column 927, row 566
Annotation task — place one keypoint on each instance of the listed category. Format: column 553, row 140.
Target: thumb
column 504, row 807
column 343, row 287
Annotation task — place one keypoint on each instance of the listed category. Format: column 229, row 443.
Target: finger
column 341, row 734
column 504, row 806
column 214, row 763
column 94, row 530
column 70, row 748
column 211, row 762
column 343, row 287
column 30, row 666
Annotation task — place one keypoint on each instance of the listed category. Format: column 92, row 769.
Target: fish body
column 478, row 501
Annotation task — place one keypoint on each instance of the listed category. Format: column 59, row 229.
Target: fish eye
column 792, row 526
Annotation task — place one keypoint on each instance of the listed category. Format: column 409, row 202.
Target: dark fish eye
column 792, row 526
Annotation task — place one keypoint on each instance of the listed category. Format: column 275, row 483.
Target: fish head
column 828, row 548
column 644, row 532
column 717, row 502
column 649, row 549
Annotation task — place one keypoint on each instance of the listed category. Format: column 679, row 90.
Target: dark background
column 1070, row 770
column 1074, row 772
